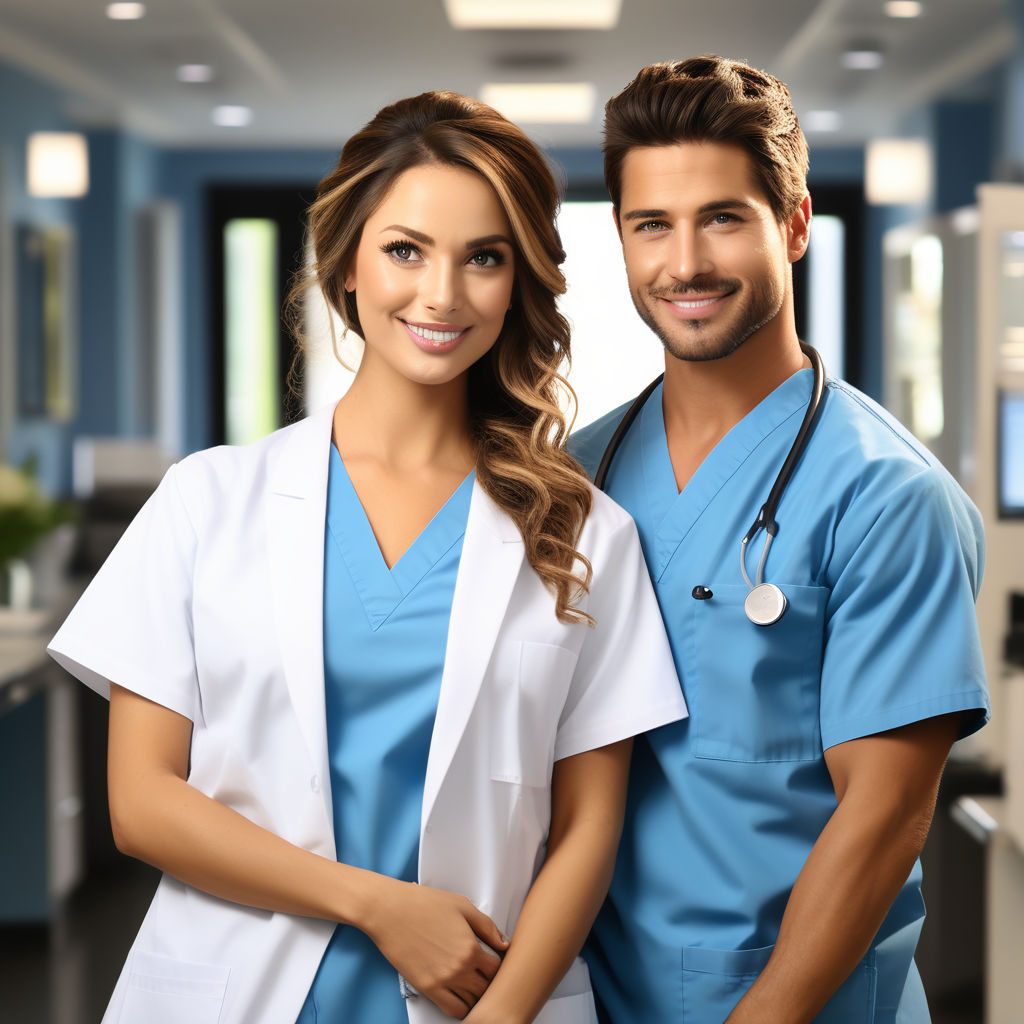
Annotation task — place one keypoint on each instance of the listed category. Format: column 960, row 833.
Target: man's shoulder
column 587, row 444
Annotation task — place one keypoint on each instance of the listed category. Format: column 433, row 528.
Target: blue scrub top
column 385, row 633
column 879, row 554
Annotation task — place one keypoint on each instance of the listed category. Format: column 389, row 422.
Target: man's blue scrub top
column 880, row 555
column 385, row 633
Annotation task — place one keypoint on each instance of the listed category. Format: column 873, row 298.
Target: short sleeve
column 133, row 624
column 625, row 681
column 902, row 639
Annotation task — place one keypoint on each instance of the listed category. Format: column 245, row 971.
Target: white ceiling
column 315, row 70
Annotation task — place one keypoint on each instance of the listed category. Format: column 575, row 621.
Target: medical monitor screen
column 1011, row 454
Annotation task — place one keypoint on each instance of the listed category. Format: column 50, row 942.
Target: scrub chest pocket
column 754, row 691
column 715, row 980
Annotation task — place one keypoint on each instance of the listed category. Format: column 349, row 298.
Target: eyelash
column 390, row 248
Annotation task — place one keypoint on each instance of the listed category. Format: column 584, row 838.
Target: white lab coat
column 212, row 605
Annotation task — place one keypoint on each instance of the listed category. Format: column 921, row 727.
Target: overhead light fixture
column 542, row 103
column 229, row 116
column 195, row 73
column 535, row 14
column 58, row 165
column 898, row 171
column 821, row 121
column 904, row 8
column 126, row 12
column 863, row 58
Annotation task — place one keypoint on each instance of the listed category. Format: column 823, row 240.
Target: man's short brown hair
column 711, row 99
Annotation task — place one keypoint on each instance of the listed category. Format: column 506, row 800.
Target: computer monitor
column 1010, row 453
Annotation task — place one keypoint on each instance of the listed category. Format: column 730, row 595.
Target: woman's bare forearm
column 588, row 796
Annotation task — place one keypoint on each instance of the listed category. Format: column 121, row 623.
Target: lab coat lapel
column 296, row 514
column 492, row 553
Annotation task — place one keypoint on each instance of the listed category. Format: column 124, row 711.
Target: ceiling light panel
column 195, row 73
column 904, row 8
column 126, row 12
column 821, row 121
column 533, row 14
column 863, row 59
column 229, row 116
column 542, row 103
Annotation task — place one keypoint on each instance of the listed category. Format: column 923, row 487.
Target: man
column 768, row 870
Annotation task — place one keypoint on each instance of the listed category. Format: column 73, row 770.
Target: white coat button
column 314, row 783
column 429, row 829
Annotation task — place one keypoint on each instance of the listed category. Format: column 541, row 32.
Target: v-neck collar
column 381, row 589
column 673, row 514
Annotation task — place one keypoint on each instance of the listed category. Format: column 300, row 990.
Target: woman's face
column 433, row 274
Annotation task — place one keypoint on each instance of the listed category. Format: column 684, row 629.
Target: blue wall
column 971, row 140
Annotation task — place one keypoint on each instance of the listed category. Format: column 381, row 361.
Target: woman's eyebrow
column 417, row 236
column 487, row 240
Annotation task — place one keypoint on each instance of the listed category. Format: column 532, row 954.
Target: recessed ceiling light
column 192, row 73
column 821, row 121
column 537, row 14
column 904, row 8
column 863, row 59
column 126, row 12
column 229, row 116
column 542, row 103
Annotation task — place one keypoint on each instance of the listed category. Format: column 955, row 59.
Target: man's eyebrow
column 718, row 206
column 721, row 205
column 417, row 236
column 644, row 215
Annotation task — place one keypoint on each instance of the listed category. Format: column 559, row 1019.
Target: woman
column 359, row 654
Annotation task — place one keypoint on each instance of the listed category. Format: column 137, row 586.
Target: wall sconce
column 58, row 165
column 898, row 171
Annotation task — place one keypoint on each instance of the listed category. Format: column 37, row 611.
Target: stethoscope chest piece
column 765, row 604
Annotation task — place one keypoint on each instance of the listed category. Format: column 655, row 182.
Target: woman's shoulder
column 211, row 477
column 607, row 523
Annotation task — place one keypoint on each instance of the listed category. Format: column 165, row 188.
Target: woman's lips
column 435, row 337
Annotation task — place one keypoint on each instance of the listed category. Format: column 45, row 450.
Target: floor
column 64, row 975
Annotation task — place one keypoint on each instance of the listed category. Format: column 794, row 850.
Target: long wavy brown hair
column 518, row 428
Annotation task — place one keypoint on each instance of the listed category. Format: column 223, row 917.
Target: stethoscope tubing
column 768, row 592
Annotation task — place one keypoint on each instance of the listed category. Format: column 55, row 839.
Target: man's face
column 708, row 264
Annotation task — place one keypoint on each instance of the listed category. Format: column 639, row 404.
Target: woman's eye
column 404, row 252
column 487, row 258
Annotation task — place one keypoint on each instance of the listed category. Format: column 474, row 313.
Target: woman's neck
column 404, row 426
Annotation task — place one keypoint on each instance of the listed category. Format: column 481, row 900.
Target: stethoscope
column 765, row 602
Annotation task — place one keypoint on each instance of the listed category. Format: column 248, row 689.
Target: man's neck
column 703, row 401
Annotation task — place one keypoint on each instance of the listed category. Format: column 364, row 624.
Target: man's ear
column 618, row 226
column 798, row 229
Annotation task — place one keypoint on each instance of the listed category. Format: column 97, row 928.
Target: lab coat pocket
column 531, row 684
column 754, row 691
column 165, row 991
